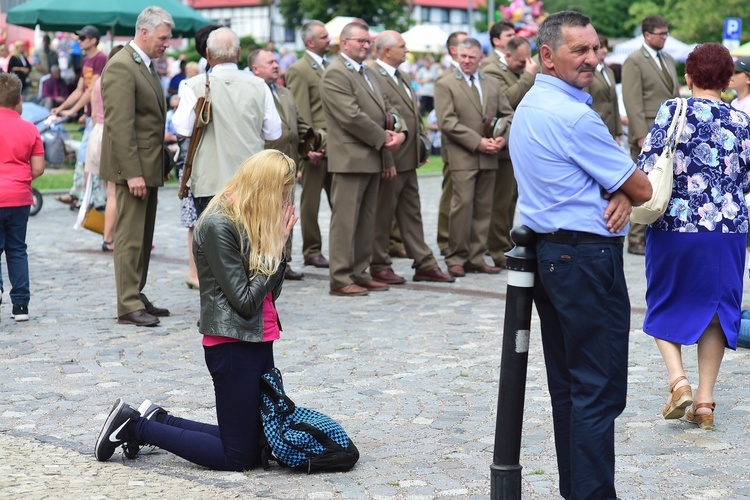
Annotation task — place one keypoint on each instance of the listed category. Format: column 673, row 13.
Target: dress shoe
column 156, row 311
column 501, row 264
column 138, row 318
column 456, row 271
column 434, row 274
column 351, row 290
column 290, row 274
column 388, row 276
column 444, row 251
column 637, row 248
column 483, row 269
column 374, row 286
column 317, row 261
column 399, row 254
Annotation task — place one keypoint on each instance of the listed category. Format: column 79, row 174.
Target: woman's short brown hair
column 710, row 66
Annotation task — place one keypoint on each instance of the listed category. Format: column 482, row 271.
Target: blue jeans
column 13, row 222
column 583, row 305
column 234, row 444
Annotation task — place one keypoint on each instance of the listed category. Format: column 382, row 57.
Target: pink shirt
column 19, row 141
column 270, row 326
column 97, row 108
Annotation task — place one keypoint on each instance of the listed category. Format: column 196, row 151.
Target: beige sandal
column 704, row 421
column 680, row 399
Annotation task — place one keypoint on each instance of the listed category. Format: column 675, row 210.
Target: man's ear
column 19, row 106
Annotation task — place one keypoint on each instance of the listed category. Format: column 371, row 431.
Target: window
column 463, row 16
column 425, row 14
column 445, row 16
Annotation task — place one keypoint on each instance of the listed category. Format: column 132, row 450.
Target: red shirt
column 270, row 326
column 19, row 141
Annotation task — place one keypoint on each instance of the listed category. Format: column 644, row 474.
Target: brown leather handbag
column 202, row 119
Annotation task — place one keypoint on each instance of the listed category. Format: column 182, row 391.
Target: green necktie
column 475, row 91
column 667, row 76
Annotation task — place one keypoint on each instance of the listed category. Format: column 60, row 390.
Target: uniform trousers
column 582, row 301
column 315, row 179
column 503, row 212
column 400, row 196
column 444, row 209
column 471, row 209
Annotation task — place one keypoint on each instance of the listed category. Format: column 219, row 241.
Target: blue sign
column 732, row 28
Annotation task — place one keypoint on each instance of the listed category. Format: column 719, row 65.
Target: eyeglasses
column 663, row 34
column 361, row 41
column 82, row 38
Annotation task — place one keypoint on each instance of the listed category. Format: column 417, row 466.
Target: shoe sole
column 20, row 317
column 126, row 322
column 678, row 410
column 106, row 427
column 433, row 280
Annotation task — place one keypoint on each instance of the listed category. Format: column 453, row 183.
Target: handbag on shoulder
column 661, row 175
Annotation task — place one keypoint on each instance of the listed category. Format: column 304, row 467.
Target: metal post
column 505, row 469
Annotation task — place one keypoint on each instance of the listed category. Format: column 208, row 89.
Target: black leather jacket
column 231, row 299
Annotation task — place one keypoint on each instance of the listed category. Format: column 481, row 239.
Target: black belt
column 574, row 238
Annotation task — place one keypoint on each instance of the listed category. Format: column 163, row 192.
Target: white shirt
column 476, row 83
column 654, row 55
column 146, row 59
column 600, row 68
column 184, row 117
column 392, row 73
column 318, row 59
column 356, row 66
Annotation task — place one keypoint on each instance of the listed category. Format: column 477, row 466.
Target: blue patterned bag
column 298, row 437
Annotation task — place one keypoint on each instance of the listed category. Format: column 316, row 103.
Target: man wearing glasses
column 649, row 78
column 359, row 155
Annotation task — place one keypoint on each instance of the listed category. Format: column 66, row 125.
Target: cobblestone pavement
column 411, row 373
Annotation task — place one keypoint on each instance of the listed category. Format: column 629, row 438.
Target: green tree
column 609, row 17
column 392, row 14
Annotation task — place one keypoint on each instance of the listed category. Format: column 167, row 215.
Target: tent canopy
column 675, row 48
column 117, row 16
column 425, row 38
column 336, row 25
column 741, row 51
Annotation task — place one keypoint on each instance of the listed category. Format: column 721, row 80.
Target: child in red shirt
column 21, row 161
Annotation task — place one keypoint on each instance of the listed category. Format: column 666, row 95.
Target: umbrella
column 741, row 51
column 425, row 38
column 117, row 16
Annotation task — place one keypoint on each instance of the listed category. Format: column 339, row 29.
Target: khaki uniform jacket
column 355, row 115
column 303, row 79
column 407, row 155
column 292, row 126
column 605, row 101
column 644, row 89
column 513, row 85
column 134, row 121
column 461, row 119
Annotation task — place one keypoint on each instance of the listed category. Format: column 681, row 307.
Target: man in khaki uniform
column 462, row 101
column 400, row 196
column 360, row 154
column 604, row 94
column 515, row 71
column 303, row 79
column 649, row 78
column 264, row 65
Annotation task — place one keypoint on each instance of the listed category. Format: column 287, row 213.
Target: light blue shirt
column 563, row 156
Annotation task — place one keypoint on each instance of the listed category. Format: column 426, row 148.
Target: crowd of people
column 538, row 136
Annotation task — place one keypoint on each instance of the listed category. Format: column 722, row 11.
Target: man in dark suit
column 515, row 71
column 400, row 195
column 649, row 78
column 604, row 94
column 133, row 158
column 463, row 101
column 303, row 79
column 264, row 65
column 359, row 150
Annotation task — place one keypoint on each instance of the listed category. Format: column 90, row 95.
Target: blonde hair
column 253, row 200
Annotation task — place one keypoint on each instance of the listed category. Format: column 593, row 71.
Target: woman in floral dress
column 695, row 252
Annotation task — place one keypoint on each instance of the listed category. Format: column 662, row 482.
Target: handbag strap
column 677, row 125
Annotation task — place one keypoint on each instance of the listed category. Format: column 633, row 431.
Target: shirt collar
column 354, row 63
column 315, row 57
column 455, row 64
column 467, row 77
column 387, row 67
column 651, row 51
column 146, row 59
column 225, row 67
column 600, row 67
column 501, row 56
column 551, row 81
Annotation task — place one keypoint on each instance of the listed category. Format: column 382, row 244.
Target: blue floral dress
column 695, row 252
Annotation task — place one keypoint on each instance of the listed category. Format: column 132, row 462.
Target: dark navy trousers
column 584, row 309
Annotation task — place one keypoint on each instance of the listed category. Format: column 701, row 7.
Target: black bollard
column 505, row 469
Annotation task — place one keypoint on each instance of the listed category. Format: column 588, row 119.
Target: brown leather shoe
column 637, row 248
column 399, row 254
column 156, row 311
column 138, row 318
column 434, row 274
column 388, row 276
column 290, row 274
column 375, row 286
column 501, row 264
column 317, row 261
column 483, row 269
column 351, row 290
column 456, row 271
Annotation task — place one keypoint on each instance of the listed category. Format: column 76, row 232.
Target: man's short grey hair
column 516, row 43
column 550, row 32
column 470, row 43
column 384, row 41
column 151, row 17
column 224, row 45
column 351, row 27
column 308, row 30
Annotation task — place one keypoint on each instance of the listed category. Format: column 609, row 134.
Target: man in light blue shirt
column 576, row 189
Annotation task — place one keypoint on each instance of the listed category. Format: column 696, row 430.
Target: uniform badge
column 459, row 76
column 137, row 58
column 503, row 67
column 314, row 65
column 382, row 71
column 349, row 66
